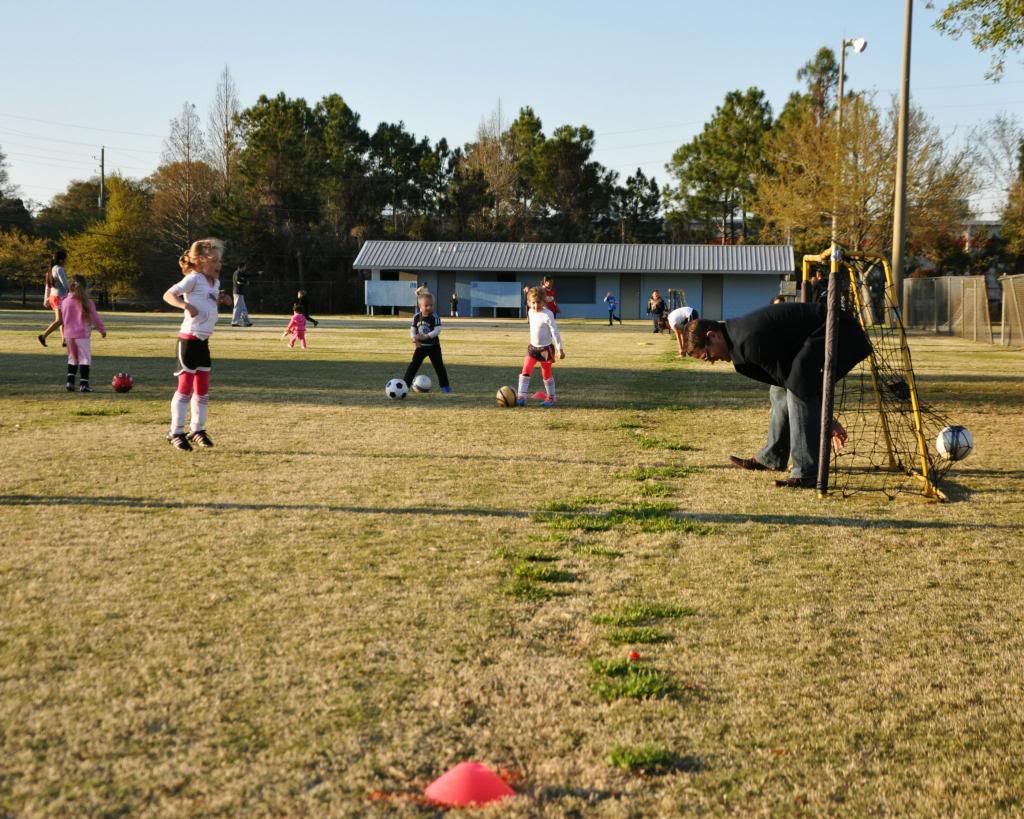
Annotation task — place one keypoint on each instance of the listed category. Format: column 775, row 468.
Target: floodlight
column 859, row 44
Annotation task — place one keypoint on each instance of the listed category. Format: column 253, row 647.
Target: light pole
column 828, row 392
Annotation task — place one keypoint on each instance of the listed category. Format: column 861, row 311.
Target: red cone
column 468, row 783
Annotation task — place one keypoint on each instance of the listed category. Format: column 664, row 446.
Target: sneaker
column 235, row 325
column 201, row 439
column 520, row 402
column 69, row 387
column 247, row 324
column 84, row 388
column 179, row 441
column 549, row 402
column 42, row 339
column 446, row 389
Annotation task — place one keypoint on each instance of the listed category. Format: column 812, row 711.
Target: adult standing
column 783, row 345
column 455, row 304
column 656, row 308
column 240, row 289
column 55, row 292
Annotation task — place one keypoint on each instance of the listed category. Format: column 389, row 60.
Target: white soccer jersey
column 543, row 330
column 202, row 294
column 679, row 316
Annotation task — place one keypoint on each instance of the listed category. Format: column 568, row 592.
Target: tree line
column 296, row 188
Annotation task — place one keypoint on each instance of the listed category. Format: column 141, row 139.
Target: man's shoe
column 796, row 483
column 235, row 325
column 201, row 439
column 179, row 441
column 748, row 463
column 247, row 324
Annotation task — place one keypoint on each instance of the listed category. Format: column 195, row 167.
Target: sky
column 644, row 75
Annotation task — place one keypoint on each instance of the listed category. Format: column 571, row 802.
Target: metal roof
column 542, row 257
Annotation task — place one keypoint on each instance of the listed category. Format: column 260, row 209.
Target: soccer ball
column 954, row 443
column 506, row 397
column 396, row 388
column 122, row 382
column 421, row 383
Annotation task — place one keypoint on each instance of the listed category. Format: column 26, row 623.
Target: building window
column 576, row 289
column 389, row 275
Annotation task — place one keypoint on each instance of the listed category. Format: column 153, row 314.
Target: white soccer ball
column 421, row 383
column 954, row 443
column 396, row 388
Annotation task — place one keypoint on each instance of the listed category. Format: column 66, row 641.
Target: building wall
column 742, row 294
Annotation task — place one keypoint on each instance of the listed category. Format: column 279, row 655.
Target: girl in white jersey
column 198, row 294
column 544, row 341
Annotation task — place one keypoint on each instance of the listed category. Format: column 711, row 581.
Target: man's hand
column 561, row 353
column 838, row 435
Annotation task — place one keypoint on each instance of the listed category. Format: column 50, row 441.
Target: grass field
column 349, row 595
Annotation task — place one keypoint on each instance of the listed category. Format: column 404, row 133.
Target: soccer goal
column 891, row 431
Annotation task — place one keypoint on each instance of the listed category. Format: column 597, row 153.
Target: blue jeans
column 794, row 429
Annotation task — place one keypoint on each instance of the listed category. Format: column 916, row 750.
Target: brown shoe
column 748, row 463
column 796, row 483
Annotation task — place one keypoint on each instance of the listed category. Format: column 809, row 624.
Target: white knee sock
column 179, row 407
column 549, row 387
column 200, row 403
column 524, row 385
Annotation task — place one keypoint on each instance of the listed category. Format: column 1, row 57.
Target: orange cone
column 468, row 783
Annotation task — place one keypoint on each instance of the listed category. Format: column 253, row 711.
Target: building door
column 629, row 295
column 711, row 301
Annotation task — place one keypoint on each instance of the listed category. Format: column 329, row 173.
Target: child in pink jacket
column 79, row 315
column 296, row 328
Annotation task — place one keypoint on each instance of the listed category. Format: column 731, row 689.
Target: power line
column 74, row 142
column 81, row 127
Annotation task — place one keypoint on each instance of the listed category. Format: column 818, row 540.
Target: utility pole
column 900, row 204
column 102, row 199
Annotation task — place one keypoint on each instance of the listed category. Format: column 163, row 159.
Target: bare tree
column 998, row 149
column 224, row 135
column 183, row 183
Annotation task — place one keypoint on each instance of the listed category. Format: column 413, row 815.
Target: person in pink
column 79, row 317
column 296, row 328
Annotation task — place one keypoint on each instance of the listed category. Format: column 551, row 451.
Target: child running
column 426, row 327
column 544, row 340
column 197, row 294
column 78, row 313
column 296, row 328
column 56, row 291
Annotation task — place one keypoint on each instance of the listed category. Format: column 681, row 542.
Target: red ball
column 633, row 656
column 122, row 382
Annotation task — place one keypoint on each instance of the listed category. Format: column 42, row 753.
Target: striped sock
column 524, row 385
column 549, row 387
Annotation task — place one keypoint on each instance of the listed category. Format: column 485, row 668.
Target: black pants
column 433, row 352
column 611, row 315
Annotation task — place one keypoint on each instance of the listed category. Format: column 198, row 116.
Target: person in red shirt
column 547, row 287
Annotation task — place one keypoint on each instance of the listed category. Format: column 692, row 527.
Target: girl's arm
column 97, row 322
column 173, row 299
column 557, row 337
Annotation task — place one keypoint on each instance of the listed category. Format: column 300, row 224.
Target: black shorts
column 193, row 354
column 541, row 353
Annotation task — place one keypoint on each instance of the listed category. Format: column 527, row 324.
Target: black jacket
column 784, row 345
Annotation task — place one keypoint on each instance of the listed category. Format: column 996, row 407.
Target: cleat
column 550, row 402
column 179, row 441
column 69, row 387
column 201, row 439
column 84, row 388
column 446, row 390
column 42, row 339
column 520, row 402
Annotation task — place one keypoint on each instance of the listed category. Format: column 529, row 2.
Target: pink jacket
column 76, row 324
column 297, row 325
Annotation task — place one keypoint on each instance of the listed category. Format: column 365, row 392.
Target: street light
column 858, row 44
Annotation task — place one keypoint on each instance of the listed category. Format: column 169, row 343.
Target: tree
column 995, row 26
column 5, row 179
column 114, row 253
column 717, row 171
column 183, row 184
column 24, row 260
column 636, row 208
column 345, row 187
column 223, row 132
column 1013, row 222
column 71, row 211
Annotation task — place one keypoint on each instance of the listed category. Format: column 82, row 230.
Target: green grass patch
column 644, row 473
column 651, row 759
column 645, row 516
column 588, row 549
column 650, row 442
column 642, row 614
column 574, row 504
column 542, row 574
column 637, row 636
column 94, row 411
column 529, row 555
column 653, row 489
column 622, row 679
column 523, row 588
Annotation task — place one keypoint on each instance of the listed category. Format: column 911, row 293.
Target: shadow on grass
column 125, row 502
column 851, row 523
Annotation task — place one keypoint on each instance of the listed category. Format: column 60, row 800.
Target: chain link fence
column 1013, row 311
column 952, row 305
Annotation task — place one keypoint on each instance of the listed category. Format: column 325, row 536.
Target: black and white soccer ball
column 396, row 388
column 421, row 383
column 954, row 443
